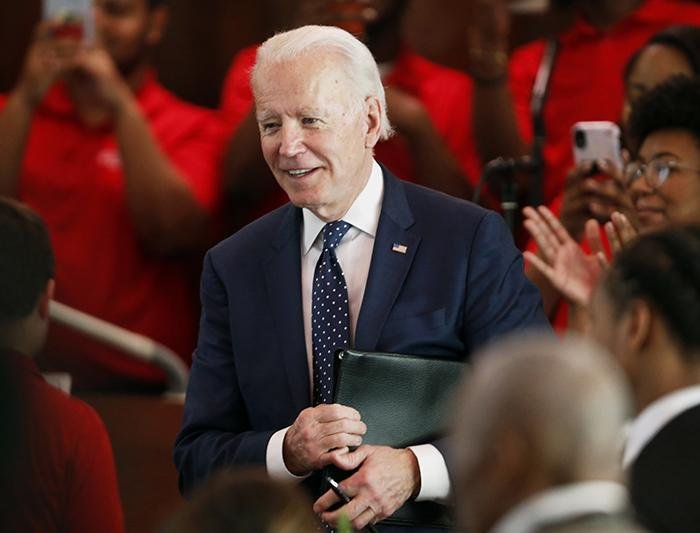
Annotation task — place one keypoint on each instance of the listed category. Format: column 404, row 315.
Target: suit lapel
column 283, row 279
column 390, row 263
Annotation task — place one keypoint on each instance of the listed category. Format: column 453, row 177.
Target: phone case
column 75, row 17
column 596, row 140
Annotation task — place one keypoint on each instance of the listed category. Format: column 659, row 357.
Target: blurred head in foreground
column 245, row 501
column 532, row 416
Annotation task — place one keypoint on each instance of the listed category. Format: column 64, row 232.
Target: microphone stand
column 503, row 171
column 537, row 100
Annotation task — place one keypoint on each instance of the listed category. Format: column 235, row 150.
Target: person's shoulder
column 69, row 415
column 437, row 206
column 256, row 237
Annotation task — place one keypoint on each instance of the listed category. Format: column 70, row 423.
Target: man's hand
column 320, row 435
column 48, row 59
column 387, row 478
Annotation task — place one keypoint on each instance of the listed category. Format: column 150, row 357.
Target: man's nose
column 292, row 141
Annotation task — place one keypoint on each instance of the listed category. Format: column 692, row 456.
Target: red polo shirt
column 72, row 175
column 65, row 480
column 586, row 82
column 445, row 93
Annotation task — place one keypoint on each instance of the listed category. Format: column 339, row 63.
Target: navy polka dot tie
column 330, row 322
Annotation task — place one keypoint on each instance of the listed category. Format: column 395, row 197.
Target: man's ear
column 373, row 117
column 45, row 298
column 157, row 22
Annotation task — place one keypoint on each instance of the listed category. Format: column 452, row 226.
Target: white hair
column 566, row 398
column 356, row 60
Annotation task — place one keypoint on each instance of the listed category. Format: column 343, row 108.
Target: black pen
column 335, row 487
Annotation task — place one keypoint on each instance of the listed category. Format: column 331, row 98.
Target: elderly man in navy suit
column 357, row 258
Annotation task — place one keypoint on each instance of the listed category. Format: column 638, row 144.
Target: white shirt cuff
column 274, row 458
column 434, row 479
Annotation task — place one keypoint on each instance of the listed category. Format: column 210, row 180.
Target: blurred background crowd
column 141, row 150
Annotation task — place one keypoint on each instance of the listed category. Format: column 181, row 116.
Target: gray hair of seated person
column 565, row 399
column 355, row 59
column 243, row 501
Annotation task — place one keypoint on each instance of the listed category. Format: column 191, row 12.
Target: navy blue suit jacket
column 459, row 284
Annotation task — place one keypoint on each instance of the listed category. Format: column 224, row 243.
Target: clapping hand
column 571, row 271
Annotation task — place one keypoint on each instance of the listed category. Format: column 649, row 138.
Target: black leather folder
column 404, row 400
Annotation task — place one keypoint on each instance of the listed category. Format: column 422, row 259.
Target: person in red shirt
column 586, row 76
column 124, row 174
column 61, row 468
column 428, row 105
column 674, row 51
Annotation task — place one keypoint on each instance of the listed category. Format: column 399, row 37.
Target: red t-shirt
column 72, row 176
column 64, row 479
column 586, row 82
column 445, row 93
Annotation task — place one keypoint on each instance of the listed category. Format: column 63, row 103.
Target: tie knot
column 333, row 233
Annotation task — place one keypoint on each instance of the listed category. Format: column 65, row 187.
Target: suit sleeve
column 500, row 299
column 216, row 431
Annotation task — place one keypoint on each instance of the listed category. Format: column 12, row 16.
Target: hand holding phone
column 72, row 18
column 597, row 141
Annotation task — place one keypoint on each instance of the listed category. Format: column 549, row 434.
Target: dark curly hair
column 663, row 269
column 673, row 104
column 684, row 38
column 26, row 260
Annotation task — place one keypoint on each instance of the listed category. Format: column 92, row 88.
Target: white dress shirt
column 563, row 503
column 654, row 417
column 354, row 254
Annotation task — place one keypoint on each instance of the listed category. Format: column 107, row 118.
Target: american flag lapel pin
column 399, row 248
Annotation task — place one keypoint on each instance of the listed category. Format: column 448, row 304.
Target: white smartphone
column 74, row 16
column 596, row 140
column 528, row 6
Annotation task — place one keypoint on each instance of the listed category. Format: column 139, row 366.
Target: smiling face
column 678, row 199
column 317, row 135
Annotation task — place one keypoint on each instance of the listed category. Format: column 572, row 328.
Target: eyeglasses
column 655, row 173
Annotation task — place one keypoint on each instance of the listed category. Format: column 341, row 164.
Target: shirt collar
column 562, row 503
column 656, row 415
column 363, row 213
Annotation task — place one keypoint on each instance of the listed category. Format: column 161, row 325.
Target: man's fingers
column 327, row 500
column 345, row 425
column 339, row 440
column 368, row 516
column 334, row 411
column 348, row 460
column 351, row 510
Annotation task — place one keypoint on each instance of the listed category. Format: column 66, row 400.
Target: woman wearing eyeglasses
column 663, row 182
